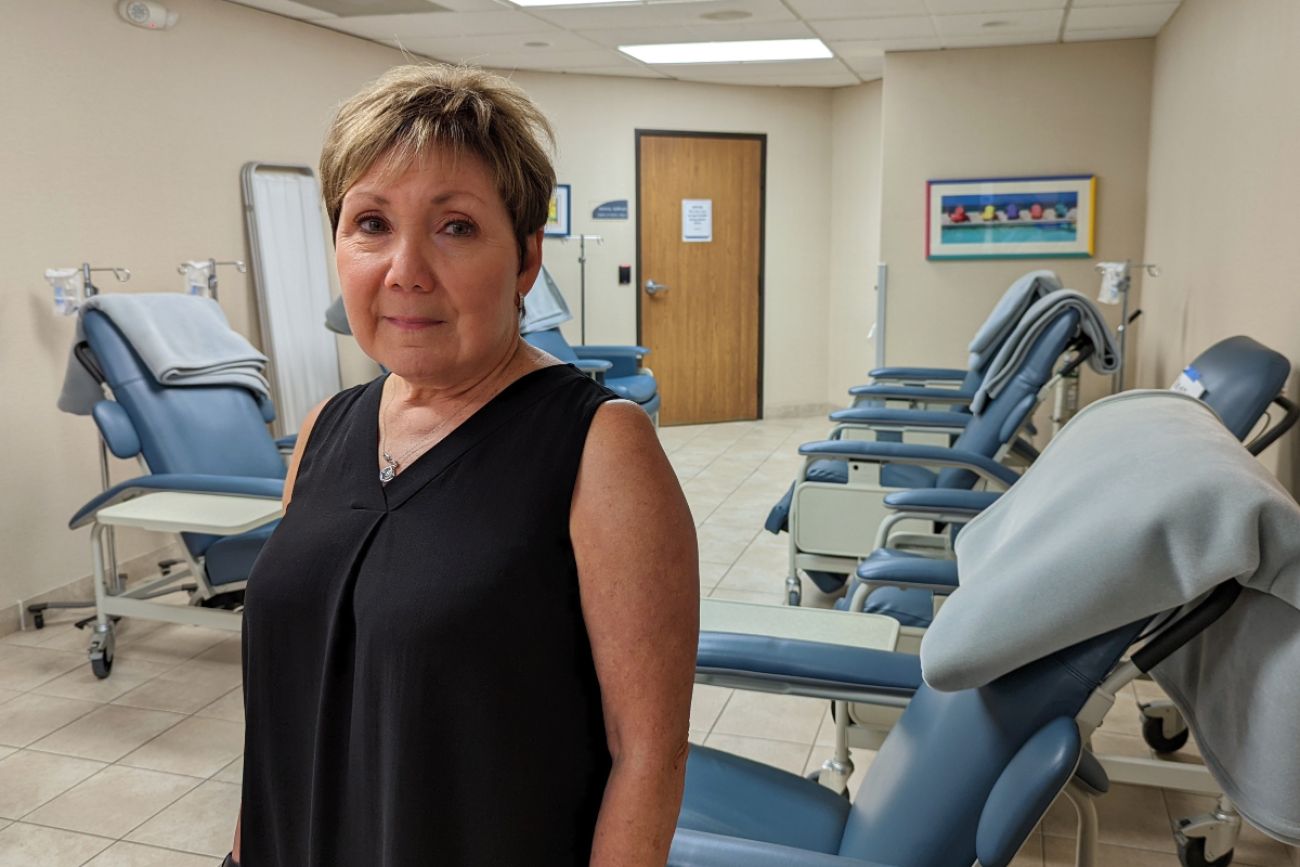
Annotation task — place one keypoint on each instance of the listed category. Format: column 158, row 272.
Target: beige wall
column 596, row 119
column 123, row 147
column 855, row 237
column 1224, row 182
column 1031, row 110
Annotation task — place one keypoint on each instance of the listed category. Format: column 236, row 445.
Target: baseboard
column 12, row 618
column 799, row 410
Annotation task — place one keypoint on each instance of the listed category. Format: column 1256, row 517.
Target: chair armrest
column 243, row 486
column 908, row 392
column 593, row 365
column 808, row 668
column 923, row 573
column 939, row 421
column 942, row 501
column 1027, row 786
column 911, row 374
column 909, row 453
column 702, row 849
column 593, row 350
column 287, row 444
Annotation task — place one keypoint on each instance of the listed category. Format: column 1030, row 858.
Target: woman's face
column 430, row 269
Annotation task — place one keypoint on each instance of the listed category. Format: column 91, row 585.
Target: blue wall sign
column 614, row 210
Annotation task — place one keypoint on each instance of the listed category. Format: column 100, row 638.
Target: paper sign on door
column 697, row 220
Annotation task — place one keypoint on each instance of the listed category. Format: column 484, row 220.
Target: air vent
column 357, row 8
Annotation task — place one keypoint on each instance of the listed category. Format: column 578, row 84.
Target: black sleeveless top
column 418, row 682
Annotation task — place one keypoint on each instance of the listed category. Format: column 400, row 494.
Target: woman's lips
column 412, row 323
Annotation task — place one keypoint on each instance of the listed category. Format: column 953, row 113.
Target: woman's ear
column 531, row 263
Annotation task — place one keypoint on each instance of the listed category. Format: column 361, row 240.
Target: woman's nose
column 411, row 266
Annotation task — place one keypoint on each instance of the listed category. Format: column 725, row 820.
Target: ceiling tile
column 812, row 10
column 707, row 32
column 627, row 70
column 439, row 24
column 661, row 14
column 1036, row 21
column 543, row 59
column 911, row 27
column 874, row 47
column 1106, row 35
column 1151, row 16
column 557, row 41
column 988, row 39
column 979, row 7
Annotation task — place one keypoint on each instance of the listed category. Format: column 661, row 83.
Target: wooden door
column 703, row 326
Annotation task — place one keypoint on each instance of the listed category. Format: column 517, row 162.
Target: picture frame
column 1048, row 217
column 559, row 214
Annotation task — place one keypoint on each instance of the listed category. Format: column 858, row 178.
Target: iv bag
column 69, row 289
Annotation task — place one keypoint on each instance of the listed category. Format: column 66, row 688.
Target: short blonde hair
column 411, row 108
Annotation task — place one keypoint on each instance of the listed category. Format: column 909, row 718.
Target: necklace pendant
column 388, row 473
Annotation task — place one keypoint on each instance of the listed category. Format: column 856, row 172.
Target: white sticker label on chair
column 1189, row 383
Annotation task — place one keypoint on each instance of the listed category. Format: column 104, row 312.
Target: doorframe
column 761, row 138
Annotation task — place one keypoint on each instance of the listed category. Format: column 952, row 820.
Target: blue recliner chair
column 963, row 777
column 1242, row 379
column 833, row 509
column 197, row 439
column 617, row 367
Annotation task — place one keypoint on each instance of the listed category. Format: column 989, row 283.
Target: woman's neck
column 405, row 392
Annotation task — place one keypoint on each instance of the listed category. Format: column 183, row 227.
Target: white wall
column 123, row 147
column 855, row 237
column 1081, row 108
column 1223, row 187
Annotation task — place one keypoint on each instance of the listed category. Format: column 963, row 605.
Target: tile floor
column 143, row 769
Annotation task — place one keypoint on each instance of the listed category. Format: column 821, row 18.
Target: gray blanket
column 1043, row 312
column 1018, row 298
column 182, row 339
column 1144, row 502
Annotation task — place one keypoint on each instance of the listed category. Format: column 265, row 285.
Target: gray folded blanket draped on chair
column 182, row 339
column 1018, row 298
column 1043, row 312
column 1143, row 503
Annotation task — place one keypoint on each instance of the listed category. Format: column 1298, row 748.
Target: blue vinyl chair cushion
column 230, row 558
column 640, row 388
column 739, row 797
column 910, row 607
column 1241, row 377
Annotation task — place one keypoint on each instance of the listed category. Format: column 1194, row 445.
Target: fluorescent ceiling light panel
column 752, row 51
column 570, row 2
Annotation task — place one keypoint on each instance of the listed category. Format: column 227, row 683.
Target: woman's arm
column 638, row 574
column 291, row 475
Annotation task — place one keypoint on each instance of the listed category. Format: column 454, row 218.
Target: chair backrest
column 920, row 802
column 1241, row 377
column 212, row 430
column 1005, row 414
column 552, row 341
column 1002, row 319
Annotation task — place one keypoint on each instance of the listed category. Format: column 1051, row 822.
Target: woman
column 471, row 640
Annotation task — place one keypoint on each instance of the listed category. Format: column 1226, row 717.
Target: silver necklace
column 389, row 472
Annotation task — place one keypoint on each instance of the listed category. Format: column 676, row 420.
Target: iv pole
column 582, row 277
column 1123, row 282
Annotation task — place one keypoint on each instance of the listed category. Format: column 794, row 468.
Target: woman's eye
column 460, row 228
column 371, row 225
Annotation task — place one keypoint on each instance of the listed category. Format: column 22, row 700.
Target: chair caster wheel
column 816, row 777
column 102, row 666
column 1153, row 733
column 793, row 598
column 1192, row 854
column 39, row 619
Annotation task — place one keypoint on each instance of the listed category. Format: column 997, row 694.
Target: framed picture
column 557, row 218
column 1011, row 218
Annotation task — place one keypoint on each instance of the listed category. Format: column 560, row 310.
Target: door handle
column 653, row 288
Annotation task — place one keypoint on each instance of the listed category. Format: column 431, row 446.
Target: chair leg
column 1085, row 852
column 836, row 770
